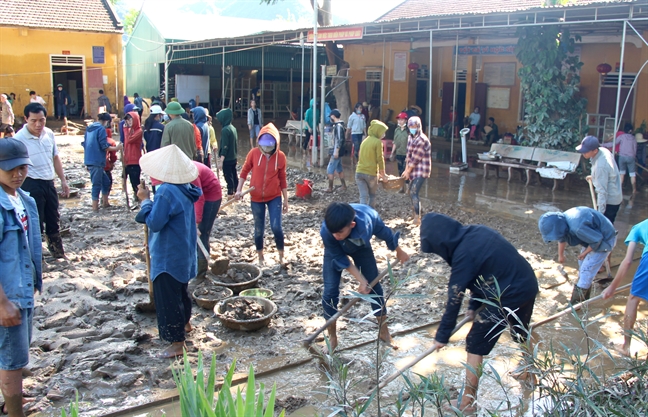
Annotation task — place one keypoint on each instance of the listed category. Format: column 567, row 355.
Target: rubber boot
column 330, row 189
column 55, row 246
column 202, row 267
column 579, row 295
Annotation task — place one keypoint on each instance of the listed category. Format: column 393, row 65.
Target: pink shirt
column 210, row 186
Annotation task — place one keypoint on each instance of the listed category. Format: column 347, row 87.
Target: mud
column 89, row 338
column 211, row 293
column 243, row 309
column 233, row 276
column 290, row 404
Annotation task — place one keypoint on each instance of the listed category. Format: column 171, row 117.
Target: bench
column 293, row 131
column 547, row 163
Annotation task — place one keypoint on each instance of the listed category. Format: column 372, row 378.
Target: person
column 7, row 119
column 198, row 156
column 61, row 100
column 95, row 145
column 268, row 166
column 178, row 131
column 627, row 148
column 399, row 148
column 12, row 98
column 21, row 266
column 171, row 221
column 44, row 154
column 206, row 209
column 111, row 158
column 200, row 121
column 310, row 128
column 419, row 163
column 451, row 125
column 474, row 120
column 357, row 128
column 605, row 177
column 127, row 109
column 492, row 131
column 154, row 129
column 365, row 112
column 580, row 226
column 371, row 163
column 213, row 142
column 254, row 122
column 639, row 289
column 346, row 232
column 104, row 102
column 139, row 102
column 496, row 265
column 133, row 150
column 35, row 98
column 227, row 153
column 336, row 152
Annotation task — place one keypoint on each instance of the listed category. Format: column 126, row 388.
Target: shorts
column 640, row 281
column 627, row 163
column 334, row 165
column 489, row 325
column 15, row 341
column 6, row 128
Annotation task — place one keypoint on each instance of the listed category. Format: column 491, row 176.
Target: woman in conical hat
column 171, row 221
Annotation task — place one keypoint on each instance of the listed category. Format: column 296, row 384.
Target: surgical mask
column 359, row 111
column 267, row 149
column 413, row 130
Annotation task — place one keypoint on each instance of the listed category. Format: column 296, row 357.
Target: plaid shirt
column 418, row 156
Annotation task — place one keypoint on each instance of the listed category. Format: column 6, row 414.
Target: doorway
column 446, row 102
column 69, row 71
column 421, row 99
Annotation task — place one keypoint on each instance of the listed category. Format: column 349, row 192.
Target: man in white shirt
column 35, row 98
column 44, row 155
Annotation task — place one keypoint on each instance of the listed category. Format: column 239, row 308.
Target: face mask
column 413, row 130
column 359, row 111
column 267, row 149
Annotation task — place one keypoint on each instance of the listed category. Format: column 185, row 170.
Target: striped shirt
column 42, row 151
column 419, row 157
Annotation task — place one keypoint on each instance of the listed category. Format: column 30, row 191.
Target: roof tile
column 77, row 15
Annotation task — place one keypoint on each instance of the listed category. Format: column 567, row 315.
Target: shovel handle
column 592, row 193
column 233, row 200
column 343, row 310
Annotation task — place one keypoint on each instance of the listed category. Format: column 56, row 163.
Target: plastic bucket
column 304, row 189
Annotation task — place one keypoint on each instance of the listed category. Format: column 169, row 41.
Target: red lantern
column 413, row 66
column 604, row 68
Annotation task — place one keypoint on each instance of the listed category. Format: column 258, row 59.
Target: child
column 133, row 149
column 111, row 158
column 371, row 163
column 580, row 226
column 347, row 231
column 268, row 166
column 172, row 222
column 21, row 276
column 639, row 290
column 96, row 145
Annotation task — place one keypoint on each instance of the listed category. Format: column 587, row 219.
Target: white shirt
column 21, row 212
column 37, row 99
column 42, row 151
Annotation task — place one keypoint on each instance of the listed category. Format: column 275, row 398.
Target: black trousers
column 611, row 211
column 231, row 177
column 172, row 306
column 44, row 192
column 133, row 172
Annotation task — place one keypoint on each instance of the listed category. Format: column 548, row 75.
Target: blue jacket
column 579, row 226
column 200, row 119
column 20, row 266
column 153, row 136
column 368, row 224
column 171, row 220
column 95, row 144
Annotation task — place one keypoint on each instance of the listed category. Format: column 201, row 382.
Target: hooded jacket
column 122, row 128
column 210, row 187
column 200, row 120
column 153, row 134
column 229, row 137
column 268, row 172
column 133, row 141
column 578, row 226
column 95, row 144
column 370, row 158
column 308, row 115
column 477, row 256
column 172, row 224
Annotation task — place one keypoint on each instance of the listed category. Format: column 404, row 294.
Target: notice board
column 498, row 98
column 500, row 73
column 190, row 86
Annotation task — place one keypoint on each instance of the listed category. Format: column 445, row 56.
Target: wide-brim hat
column 174, row 108
column 640, row 138
column 169, row 164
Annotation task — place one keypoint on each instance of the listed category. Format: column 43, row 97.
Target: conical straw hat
column 169, row 164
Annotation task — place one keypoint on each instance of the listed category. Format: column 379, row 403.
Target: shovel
column 607, row 260
column 233, row 200
column 150, row 306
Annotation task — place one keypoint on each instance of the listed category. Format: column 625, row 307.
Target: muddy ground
column 89, row 338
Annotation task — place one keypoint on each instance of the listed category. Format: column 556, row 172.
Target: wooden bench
column 293, row 131
column 513, row 157
column 556, row 165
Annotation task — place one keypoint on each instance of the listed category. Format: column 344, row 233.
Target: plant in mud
column 74, row 407
column 197, row 398
column 549, row 77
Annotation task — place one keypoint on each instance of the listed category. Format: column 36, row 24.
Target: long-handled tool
column 150, row 306
column 233, row 200
column 124, row 181
column 595, row 205
column 343, row 310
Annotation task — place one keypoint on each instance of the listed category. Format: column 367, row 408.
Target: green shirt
column 400, row 140
column 180, row 133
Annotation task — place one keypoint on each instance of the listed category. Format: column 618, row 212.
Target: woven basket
column 393, row 183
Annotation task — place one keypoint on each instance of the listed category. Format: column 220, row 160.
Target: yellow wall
column 25, row 61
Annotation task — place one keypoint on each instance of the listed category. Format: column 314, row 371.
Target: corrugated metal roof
column 277, row 57
column 77, row 15
column 411, row 9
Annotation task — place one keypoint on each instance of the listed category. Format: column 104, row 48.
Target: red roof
column 76, row 15
column 412, row 9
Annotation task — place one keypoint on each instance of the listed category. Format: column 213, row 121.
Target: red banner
column 336, row 34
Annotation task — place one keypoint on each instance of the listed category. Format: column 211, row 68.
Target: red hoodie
column 268, row 174
column 133, row 141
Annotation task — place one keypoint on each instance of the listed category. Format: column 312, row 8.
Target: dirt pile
column 209, row 292
column 243, row 309
column 233, row 276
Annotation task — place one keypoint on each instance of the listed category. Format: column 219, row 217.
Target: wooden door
column 481, row 89
column 94, row 78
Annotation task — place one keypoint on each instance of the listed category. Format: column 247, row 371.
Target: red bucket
column 304, row 189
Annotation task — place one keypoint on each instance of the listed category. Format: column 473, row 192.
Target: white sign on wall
column 400, row 66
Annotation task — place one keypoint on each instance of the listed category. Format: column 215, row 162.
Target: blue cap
column 13, row 153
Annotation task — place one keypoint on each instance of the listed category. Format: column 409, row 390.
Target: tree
column 129, row 21
column 554, row 109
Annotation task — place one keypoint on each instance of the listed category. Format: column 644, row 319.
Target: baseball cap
column 267, row 139
column 403, row 115
column 13, row 153
column 155, row 109
column 59, row 85
column 336, row 113
column 588, row 144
